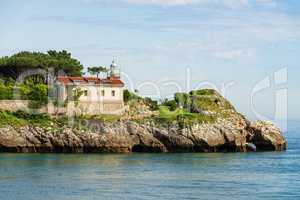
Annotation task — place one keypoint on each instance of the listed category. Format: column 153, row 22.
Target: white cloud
column 219, row 3
column 225, row 3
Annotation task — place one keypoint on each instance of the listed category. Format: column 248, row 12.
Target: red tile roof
column 112, row 81
column 85, row 80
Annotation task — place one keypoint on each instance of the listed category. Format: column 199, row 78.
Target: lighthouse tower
column 114, row 71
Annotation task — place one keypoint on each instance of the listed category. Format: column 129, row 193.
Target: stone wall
column 85, row 108
column 15, row 105
column 95, row 108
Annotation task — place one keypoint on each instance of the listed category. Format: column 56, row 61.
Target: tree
column 128, row 96
column 13, row 66
column 97, row 70
column 77, row 93
column 170, row 103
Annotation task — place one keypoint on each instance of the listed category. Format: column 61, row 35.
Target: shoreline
column 131, row 137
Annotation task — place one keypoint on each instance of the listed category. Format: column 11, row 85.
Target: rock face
column 266, row 136
column 126, row 136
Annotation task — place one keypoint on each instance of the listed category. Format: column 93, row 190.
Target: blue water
column 271, row 175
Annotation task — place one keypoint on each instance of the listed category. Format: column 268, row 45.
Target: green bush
column 8, row 118
column 38, row 92
column 38, row 95
column 183, row 100
column 21, row 118
column 198, row 101
column 152, row 103
column 181, row 117
column 171, row 104
column 6, row 91
column 24, row 91
column 203, row 92
column 128, row 96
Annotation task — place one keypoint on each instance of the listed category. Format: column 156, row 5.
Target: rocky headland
column 217, row 127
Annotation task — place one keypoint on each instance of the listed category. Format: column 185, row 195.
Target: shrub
column 6, row 91
column 24, row 91
column 77, row 93
column 38, row 95
column 21, row 118
column 203, row 92
column 171, row 104
column 128, row 96
column 8, row 118
column 152, row 103
column 183, row 100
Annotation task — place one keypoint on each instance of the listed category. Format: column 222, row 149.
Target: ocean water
column 267, row 175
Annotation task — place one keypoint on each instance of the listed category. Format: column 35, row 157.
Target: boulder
column 266, row 136
column 122, row 137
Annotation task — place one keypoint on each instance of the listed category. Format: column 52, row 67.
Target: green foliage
column 38, row 92
column 152, row 103
column 181, row 117
column 6, row 91
column 8, row 118
column 172, row 104
column 200, row 106
column 38, row 95
column 203, row 92
column 14, row 65
column 35, row 79
column 128, row 96
column 166, row 113
column 188, row 119
column 21, row 118
column 97, row 70
column 38, row 119
column 77, row 93
column 24, row 91
column 199, row 101
column 183, row 100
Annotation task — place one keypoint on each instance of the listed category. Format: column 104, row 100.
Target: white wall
column 94, row 93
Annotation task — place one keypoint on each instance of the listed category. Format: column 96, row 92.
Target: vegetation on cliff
column 198, row 106
column 34, row 87
column 12, row 66
column 21, row 118
column 36, row 93
column 219, row 128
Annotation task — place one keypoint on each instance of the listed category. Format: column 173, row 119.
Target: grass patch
column 8, row 118
column 21, row 118
column 203, row 92
column 181, row 117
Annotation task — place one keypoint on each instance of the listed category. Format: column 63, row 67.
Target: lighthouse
column 114, row 71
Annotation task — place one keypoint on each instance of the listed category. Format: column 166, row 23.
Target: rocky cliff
column 202, row 122
column 222, row 136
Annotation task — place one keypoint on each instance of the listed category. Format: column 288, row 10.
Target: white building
column 98, row 96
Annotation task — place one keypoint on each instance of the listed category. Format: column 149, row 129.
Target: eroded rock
column 123, row 137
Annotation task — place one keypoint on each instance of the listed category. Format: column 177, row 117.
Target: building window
column 85, row 93
column 102, row 93
column 113, row 93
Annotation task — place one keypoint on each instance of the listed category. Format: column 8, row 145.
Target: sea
column 226, row 176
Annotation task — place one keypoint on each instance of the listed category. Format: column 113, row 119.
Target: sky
column 249, row 50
